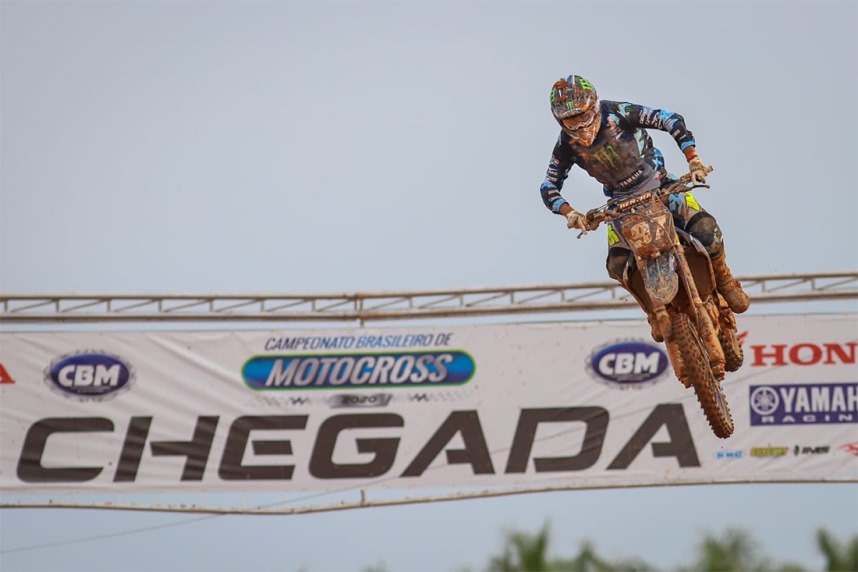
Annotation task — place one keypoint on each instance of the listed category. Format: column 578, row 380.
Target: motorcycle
column 670, row 276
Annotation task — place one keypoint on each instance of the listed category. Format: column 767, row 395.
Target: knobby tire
column 733, row 352
column 696, row 365
column 729, row 338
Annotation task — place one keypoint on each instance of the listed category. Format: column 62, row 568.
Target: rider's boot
column 653, row 325
column 728, row 286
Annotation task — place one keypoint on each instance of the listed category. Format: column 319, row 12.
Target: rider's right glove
column 576, row 219
column 695, row 166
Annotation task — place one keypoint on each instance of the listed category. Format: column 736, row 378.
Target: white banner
column 574, row 405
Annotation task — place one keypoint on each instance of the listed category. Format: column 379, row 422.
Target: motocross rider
column 608, row 139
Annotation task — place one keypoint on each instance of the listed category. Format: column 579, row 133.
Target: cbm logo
column 89, row 376
column 628, row 364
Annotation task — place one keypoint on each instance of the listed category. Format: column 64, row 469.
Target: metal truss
column 365, row 307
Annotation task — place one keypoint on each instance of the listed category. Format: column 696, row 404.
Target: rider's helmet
column 575, row 106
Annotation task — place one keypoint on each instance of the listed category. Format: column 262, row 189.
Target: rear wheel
column 728, row 336
column 733, row 353
column 696, row 367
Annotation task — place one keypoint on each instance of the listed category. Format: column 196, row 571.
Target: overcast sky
column 196, row 146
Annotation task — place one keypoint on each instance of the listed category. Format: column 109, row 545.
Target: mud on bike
column 670, row 276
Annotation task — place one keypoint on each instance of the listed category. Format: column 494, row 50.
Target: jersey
column 622, row 156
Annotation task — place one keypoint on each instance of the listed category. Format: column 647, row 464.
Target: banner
column 575, row 404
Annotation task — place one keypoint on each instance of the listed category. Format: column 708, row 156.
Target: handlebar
column 601, row 214
column 681, row 184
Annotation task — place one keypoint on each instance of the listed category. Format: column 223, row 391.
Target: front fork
column 704, row 322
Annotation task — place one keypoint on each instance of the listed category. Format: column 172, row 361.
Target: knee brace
column 704, row 228
column 616, row 262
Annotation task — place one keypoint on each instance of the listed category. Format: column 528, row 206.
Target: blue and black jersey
column 622, row 157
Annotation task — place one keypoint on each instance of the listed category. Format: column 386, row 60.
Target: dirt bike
column 670, row 276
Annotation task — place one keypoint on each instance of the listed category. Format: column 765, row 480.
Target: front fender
column 660, row 278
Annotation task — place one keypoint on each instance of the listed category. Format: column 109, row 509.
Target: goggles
column 582, row 120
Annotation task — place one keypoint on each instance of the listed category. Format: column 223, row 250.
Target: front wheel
column 699, row 373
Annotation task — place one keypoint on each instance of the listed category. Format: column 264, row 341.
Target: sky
column 247, row 147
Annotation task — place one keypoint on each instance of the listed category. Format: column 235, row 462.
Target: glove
column 698, row 170
column 576, row 219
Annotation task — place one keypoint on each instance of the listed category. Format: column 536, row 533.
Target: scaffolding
column 406, row 305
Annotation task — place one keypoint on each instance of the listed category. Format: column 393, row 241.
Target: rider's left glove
column 576, row 219
column 698, row 171
column 696, row 167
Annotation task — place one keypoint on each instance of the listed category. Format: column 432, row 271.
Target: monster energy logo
column 585, row 84
column 607, row 156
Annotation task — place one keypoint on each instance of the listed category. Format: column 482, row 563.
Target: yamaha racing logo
column 804, row 404
column 89, row 376
column 628, row 364
column 342, row 371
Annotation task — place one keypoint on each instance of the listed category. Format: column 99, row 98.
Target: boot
column 728, row 286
